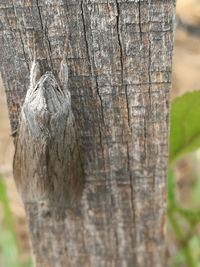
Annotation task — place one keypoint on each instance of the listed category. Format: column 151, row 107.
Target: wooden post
column 119, row 58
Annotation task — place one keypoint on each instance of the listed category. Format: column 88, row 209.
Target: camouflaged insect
column 47, row 161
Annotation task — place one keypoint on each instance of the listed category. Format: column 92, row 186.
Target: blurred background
column 14, row 240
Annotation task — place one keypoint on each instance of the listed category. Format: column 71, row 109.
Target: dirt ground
column 186, row 60
column 186, row 76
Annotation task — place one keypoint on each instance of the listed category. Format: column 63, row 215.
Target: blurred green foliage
column 185, row 126
column 9, row 252
column 184, row 138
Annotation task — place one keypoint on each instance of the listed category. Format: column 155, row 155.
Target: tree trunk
column 119, row 58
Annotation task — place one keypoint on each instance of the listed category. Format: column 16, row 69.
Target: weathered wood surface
column 119, row 58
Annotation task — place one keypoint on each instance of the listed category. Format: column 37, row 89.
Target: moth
column 47, row 162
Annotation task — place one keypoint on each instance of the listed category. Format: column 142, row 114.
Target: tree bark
column 119, row 58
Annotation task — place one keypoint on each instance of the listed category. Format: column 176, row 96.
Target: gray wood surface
column 119, row 58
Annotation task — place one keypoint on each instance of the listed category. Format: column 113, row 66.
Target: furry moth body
column 47, row 163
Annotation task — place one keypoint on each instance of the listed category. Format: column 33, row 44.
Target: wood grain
column 119, row 57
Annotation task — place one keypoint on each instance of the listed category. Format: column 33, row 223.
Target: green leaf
column 185, row 125
column 9, row 252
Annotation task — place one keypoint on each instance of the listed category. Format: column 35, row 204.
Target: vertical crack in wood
column 94, row 76
column 20, row 35
column 139, row 22
column 119, row 37
column 119, row 33
column 131, row 179
column 128, row 108
column 45, row 34
column 85, row 34
column 120, row 41
column 23, row 48
column 149, row 46
column 101, row 101
column 149, row 67
column 48, row 41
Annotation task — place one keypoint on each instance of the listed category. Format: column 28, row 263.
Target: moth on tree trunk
column 47, row 161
